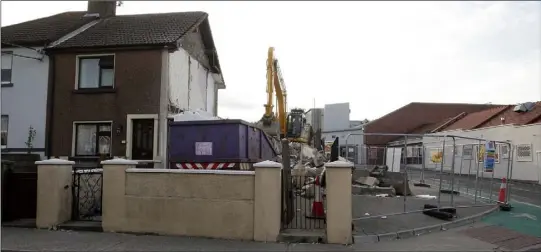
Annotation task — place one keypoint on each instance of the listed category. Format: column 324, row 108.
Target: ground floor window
column 93, row 139
column 5, row 122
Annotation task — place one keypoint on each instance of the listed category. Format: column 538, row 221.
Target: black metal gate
column 87, row 191
column 302, row 202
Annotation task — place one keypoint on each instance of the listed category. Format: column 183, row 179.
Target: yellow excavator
column 282, row 124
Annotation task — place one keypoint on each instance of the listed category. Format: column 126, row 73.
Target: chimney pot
column 103, row 8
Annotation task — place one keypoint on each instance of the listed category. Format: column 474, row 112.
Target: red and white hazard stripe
column 204, row 166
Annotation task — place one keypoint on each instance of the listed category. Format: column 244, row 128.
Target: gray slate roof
column 132, row 30
column 39, row 32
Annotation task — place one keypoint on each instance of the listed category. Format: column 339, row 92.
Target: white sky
column 378, row 56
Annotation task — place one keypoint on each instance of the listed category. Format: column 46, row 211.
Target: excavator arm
column 275, row 124
column 280, row 124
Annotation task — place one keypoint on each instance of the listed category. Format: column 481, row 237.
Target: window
column 524, row 153
column 96, row 72
column 7, row 63
column 93, row 139
column 5, row 122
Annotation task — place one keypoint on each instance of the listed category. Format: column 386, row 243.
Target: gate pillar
column 113, row 193
column 54, row 193
column 267, row 201
column 339, row 209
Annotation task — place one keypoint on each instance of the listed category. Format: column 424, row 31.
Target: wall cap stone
column 119, row 161
column 268, row 164
column 339, row 164
column 55, row 161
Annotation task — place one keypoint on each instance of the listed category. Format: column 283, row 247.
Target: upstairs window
column 96, row 72
column 7, row 63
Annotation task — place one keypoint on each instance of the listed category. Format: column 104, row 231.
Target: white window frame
column 10, row 67
column 7, row 132
column 74, row 134
column 129, row 134
column 77, row 69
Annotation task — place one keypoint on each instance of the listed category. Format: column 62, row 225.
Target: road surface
column 519, row 191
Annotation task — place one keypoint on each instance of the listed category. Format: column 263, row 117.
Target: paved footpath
column 23, row 239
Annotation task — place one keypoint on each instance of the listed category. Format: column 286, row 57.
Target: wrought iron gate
column 87, row 189
column 303, row 206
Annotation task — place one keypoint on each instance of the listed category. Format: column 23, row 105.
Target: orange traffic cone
column 318, row 210
column 503, row 187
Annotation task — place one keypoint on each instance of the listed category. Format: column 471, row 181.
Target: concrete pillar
column 113, row 193
column 339, row 212
column 267, row 201
column 54, row 192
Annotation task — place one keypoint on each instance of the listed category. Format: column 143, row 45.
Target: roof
column 512, row 117
column 414, row 116
column 157, row 29
column 42, row 31
column 475, row 119
column 130, row 30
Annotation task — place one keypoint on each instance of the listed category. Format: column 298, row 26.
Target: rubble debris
column 372, row 190
column 369, row 181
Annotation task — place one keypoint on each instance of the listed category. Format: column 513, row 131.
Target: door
column 143, row 139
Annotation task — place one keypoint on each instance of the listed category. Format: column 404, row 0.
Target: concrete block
column 369, row 181
column 405, row 234
column 368, row 190
column 365, row 239
column 388, row 237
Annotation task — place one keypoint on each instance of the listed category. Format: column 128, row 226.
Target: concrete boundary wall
column 204, row 203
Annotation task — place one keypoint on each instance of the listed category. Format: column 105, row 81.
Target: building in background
column 518, row 124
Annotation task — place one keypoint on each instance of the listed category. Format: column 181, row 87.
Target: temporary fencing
column 441, row 171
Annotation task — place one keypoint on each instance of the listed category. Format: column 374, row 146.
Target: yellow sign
column 481, row 154
column 436, row 156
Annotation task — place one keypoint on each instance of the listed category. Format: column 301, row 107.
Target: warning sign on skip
column 203, row 148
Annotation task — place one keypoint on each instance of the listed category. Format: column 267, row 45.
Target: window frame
column 80, row 58
column 3, row 146
column 10, row 68
column 97, row 126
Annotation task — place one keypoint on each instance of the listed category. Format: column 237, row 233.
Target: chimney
column 103, row 8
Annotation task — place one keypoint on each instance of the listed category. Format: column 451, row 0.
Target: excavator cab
column 295, row 123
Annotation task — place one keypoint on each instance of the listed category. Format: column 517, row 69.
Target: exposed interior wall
column 190, row 86
column 522, row 170
column 198, row 204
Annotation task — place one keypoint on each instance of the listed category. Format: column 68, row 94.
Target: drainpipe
column 50, row 107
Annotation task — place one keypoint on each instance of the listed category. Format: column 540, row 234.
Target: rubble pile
column 378, row 180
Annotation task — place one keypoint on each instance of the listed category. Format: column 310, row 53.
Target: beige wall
column 208, row 205
column 216, row 205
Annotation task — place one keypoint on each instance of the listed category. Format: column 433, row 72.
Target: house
column 116, row 83
column 25, row 75
column 518, row 124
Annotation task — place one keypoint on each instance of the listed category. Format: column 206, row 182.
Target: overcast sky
column 378, row 56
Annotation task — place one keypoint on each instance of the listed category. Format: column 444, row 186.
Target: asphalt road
column 519, row 192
